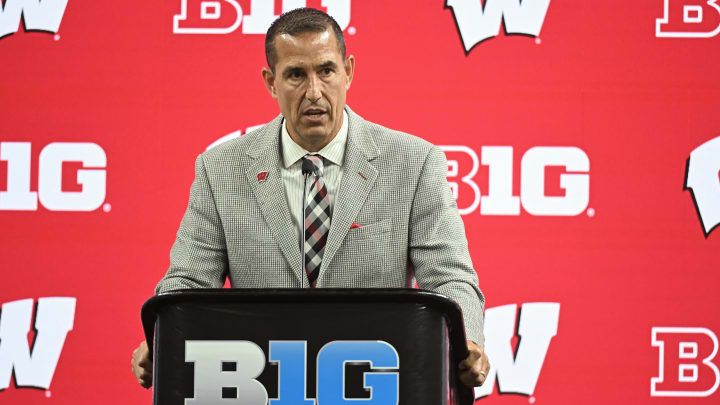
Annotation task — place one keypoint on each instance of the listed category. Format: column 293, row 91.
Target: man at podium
column 321, row 198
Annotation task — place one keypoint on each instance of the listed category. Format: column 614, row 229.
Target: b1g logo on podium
column 227, row 370
column 689, row 19
column 685, row 367
column 225, row 16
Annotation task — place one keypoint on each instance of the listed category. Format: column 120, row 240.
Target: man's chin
column 315, row 139
column 315, row 133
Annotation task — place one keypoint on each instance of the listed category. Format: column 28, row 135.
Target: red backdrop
column 596, row 108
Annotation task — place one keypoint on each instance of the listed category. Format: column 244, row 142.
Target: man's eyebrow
column 328, row 64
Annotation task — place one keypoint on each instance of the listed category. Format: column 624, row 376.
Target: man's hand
column 141, row 365
column 474, row 369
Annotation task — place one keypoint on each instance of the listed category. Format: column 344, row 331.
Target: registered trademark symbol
column 352, row 30
column 591, row 212
column 538, row 40
column 48, row 394
column 531, row 400
column 107, row 207
column 57, row 37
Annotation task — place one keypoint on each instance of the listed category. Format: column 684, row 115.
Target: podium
column 305, row 347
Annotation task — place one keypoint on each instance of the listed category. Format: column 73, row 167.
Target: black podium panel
column 422, row 328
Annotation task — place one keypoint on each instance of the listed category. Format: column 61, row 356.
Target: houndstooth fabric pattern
column 317, row 219
column 394, row 187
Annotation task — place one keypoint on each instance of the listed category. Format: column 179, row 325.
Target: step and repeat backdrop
column 583, row 146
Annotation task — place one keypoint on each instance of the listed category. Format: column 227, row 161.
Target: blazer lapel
column 357, row 180
column 270, row 193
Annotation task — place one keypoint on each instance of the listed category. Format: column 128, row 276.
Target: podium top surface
column 304, row 295
column 439, row 302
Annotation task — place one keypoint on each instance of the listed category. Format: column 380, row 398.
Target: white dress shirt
column 333, row 154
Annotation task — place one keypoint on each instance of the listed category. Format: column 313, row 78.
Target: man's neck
column 314, row 147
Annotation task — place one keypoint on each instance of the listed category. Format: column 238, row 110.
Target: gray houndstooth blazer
column 394, row 185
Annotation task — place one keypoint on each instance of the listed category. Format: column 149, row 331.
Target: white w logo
column 518, row 372
column 54, row 319
column 477, row 23
column 702, row 177
column 37, row 15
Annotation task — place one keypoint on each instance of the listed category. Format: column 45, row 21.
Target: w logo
column 478, row 21
column 702, row 177
column 54, row 318
column 36, row 15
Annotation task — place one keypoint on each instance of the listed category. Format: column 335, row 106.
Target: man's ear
column 269, row 79
column 349, row 70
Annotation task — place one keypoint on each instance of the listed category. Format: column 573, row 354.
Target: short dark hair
column 297, row 22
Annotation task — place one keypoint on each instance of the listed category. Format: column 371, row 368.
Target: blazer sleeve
column 198, row 258
column 438, row 247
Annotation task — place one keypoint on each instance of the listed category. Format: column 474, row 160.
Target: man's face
column 310, row 82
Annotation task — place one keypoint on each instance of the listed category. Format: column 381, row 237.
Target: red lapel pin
column 262, row 176
column 362, row 175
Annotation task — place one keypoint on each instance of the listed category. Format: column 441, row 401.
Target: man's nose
column 313, row 92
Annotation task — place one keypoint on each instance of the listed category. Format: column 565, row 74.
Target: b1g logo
column 36, row 15
column 92, row 177
column 233, row 366
column 54, row 318
column 477, row 21
column 225, row 16
column 463, row 165
column 689, row 19
column 685, row 367
column 702, row 177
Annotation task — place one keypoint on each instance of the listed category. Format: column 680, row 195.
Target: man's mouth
column 314, row 114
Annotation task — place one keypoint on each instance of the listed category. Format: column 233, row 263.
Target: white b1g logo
column 499, row 199
column 225, row 16
column 92, row 177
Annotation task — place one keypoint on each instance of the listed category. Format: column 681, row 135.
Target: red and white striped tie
column 317, row 220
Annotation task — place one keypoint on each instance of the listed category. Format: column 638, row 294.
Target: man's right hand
column 141, row 365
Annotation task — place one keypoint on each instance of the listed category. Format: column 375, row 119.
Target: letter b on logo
column 210, row 378
column 685, row 362
column 689, row 19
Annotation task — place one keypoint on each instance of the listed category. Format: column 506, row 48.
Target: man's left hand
column 474, row 369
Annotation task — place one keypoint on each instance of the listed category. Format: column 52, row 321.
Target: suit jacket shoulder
column 228, row 162
column 394, row 151
column 390, row 140
column 250, row 145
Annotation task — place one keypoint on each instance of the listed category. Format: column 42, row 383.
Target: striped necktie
column 317, row 219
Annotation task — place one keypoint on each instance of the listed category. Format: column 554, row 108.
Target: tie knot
column 317, row 164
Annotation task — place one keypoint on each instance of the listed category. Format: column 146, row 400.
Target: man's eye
column 295, row 75
column 327, row 71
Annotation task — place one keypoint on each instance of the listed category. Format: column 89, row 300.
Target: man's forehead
column 308, row 38
column 306, row 48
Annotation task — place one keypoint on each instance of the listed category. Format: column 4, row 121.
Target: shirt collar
column 333, row 152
